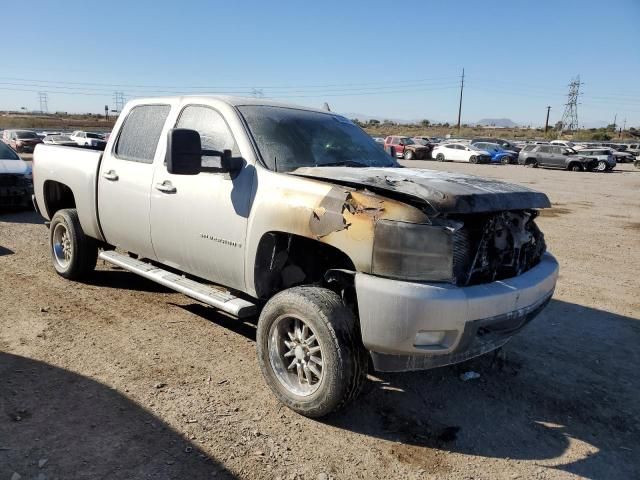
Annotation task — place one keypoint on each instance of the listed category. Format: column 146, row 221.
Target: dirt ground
column 121, row 378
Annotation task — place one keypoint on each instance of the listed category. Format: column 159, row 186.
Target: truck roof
column 233, row 101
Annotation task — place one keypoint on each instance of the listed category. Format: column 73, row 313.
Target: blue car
column 498, row 154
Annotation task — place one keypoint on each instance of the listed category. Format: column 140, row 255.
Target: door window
column 214, row 132
column 140, row 133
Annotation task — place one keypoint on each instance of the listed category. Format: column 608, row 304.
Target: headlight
column 410, row 251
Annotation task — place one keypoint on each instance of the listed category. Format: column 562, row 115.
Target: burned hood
column 440, row 192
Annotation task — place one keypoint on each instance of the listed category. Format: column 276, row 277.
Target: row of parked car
column 25, row 141
column 555, row 154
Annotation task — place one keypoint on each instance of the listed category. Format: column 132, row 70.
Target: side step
column 217, row 298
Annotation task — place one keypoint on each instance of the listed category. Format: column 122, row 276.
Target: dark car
column 555, row 156
column 505, row 144
column 22, row 141
column 16, row 181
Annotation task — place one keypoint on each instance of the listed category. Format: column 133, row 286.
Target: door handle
column 111, row 175
column 166, row 187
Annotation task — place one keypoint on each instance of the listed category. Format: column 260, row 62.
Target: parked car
column 634, row 149
column 59, row 140
column 406, row 148
column 398, row 268
column 507, row 145
column 425, row 143
column 88, row 139
column 555, row 156
column 604, row 156
column 459, row 152
column 498, row 154
column 16, row 181
column 623, row 156
column 22, row 141
column 564, row 143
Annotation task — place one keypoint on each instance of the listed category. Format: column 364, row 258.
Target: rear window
column 528, row 148
column 26, row 135
column 6, row 153
column 140, row 133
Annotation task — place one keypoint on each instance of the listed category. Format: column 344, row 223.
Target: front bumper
column 14, row 196
column 396, row 315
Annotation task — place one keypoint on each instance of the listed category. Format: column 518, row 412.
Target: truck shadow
column 59, row 424
column 571, row 376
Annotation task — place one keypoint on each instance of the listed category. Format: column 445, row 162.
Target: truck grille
column 496, row 246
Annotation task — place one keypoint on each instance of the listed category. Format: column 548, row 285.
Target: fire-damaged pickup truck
column 350, row 260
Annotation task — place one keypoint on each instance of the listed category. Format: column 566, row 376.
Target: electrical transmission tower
column 570, row 116
column 44, row 98
column 119, row 101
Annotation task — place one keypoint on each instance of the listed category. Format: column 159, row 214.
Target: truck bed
column 76, row 168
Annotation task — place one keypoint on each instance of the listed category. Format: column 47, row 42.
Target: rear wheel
column 440, row 157
column 309, row 350
column 74, row 255
column 602, row 166
column 575, row 167
column 531, row 163
column 408, row 155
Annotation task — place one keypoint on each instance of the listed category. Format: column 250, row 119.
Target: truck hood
column 14, row 167
column 440, row 192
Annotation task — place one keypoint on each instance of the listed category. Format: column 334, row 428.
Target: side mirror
column 184, row 152
column 227, row 162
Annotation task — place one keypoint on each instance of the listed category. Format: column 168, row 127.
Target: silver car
column 606, row 160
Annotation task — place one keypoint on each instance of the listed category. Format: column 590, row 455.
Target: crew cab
column 298, row 217
column 555, row 156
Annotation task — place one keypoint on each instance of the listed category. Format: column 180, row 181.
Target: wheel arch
column 57, row 196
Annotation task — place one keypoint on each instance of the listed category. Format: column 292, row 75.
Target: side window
column 140, row 133
column 214, row 131
column 394, row 141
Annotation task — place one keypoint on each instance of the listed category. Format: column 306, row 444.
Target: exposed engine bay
column 495, row 246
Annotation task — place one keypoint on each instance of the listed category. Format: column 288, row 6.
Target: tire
column 73, row 254
column 575, row 167
column 440, row 157
column 602, row 166
column 408, row 155
column 531, row 163
column 473, row 159
column 505, row 160
column 332, row 326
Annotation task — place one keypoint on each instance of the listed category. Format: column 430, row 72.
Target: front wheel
column 74, row 255
column 473, row 159
column 408, row 155
column 576, row 167
column 309, row 350
column 505, row 160
column 440, row 157
column 602, row 166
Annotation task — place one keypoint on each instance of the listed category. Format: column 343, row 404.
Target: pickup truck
column 298, row 218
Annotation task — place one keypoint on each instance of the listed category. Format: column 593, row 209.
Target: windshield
column 7, row 154
column 94, row 135
column 26, row 135
column 289, row 138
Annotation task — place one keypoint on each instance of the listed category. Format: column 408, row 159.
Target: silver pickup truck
column 296, row 215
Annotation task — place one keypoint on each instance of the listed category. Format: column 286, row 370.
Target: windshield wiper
column 344, row 163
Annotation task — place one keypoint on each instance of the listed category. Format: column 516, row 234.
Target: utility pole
column 106, row 112
column 460, row 105
column 615, row 118
column 546, row 123
column 570, row 116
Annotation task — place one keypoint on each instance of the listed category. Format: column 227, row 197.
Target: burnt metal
column 439, row 192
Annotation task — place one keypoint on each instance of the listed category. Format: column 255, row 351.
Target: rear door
column 124, row 181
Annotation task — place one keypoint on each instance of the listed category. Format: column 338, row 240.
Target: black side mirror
column 184, row 152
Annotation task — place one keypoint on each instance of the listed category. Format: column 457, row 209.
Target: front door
column 124, row 180
column 199, row 222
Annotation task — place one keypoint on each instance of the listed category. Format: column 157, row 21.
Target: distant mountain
column 497, row 122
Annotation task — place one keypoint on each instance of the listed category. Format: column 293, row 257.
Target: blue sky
column 385, row 59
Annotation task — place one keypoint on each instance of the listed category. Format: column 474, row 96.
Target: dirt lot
column 120, row 378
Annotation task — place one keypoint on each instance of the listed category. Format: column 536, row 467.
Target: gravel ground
column 121, row 378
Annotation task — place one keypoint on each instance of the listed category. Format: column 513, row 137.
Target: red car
column 22, row 141
column 406, row 148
